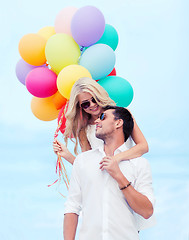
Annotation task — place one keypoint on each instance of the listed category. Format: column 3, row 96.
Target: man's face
column 105, row 124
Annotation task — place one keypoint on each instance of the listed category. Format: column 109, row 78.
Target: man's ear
column 119, row 123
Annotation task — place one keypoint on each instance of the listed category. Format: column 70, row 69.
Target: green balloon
column 119, row 90
column 109, row 37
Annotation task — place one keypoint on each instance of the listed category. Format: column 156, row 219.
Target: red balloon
column 113, row 73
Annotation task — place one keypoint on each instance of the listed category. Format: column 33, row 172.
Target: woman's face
column 89, row 104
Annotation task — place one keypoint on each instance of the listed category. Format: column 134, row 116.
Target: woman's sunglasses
column 87, row 103
column 102, row 116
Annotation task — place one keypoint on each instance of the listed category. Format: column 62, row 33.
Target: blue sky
column 152, row 55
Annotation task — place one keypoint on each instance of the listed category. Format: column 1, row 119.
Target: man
column 108, row 194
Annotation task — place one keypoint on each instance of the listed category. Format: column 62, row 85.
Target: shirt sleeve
column 144, row 180
column 73, row 203
column 143, row 185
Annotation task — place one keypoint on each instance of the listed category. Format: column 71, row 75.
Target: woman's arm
column 138, row 150
column 62, row 150
column 83, row 141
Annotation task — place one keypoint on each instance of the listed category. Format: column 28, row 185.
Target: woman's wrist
column 70, row 157
column 117, row 158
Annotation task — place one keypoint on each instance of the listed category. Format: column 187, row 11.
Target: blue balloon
column 99, row 60
column 110, row 37
column 119, row 90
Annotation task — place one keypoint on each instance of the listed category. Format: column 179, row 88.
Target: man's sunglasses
column 102, row 116
column 87, row 103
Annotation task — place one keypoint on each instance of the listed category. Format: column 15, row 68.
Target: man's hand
column 111, row 166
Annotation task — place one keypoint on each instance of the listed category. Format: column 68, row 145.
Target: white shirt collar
column 121, row 148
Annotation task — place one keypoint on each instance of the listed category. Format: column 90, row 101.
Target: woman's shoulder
column 93, row 140
column 90, row 129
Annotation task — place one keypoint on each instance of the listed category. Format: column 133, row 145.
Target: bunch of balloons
column 80, row 44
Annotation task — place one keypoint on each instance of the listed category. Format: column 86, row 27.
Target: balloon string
column 60, row 168
column 62, row 171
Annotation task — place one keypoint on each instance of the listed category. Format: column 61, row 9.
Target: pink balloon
column 41, row 82
column 63, row 20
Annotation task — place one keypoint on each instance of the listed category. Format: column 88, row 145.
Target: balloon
column 63, row 125
column 58, row 100
column 109, row 37
column 63, row 20
column 99, row 59
column 41, row 82
column 61, row 50
column 119, row 89
column 68, row 76
column 113, row 73
column 87, row 25
column 46, row 32
column 32, row 49
column 22, row 70
column 44, row 109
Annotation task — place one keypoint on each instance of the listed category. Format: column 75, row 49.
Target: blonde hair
column 76, row 118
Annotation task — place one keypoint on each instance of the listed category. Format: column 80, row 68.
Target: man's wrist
column 126, row 186
column 122, row 181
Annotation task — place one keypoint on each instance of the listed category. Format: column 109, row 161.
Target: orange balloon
column 44, row 109
column 32, row 49
column 58, row 100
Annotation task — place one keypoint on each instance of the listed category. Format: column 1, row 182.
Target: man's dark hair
column 125, row 115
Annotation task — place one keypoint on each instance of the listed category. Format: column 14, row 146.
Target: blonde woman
column 86, row 102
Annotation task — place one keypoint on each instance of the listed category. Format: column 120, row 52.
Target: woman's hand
column 111, row 166
column 61, row 149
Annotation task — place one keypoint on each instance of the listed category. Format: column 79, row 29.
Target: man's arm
column 137, row 201
column 70, row 226
column 73, row 204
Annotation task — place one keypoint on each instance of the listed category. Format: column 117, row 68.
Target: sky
column 152, row 55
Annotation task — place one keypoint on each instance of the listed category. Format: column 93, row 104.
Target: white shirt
column 95, row 143
column 105, row 212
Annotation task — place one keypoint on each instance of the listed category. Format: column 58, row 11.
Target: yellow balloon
column 68, row 76
column 44, row 108
column 61, row 50
column 47, row 32
column 32, row 49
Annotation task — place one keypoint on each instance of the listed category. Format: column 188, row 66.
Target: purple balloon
column 22, row 70
column 87, row 25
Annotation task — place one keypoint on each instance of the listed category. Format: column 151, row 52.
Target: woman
column 86, row 102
